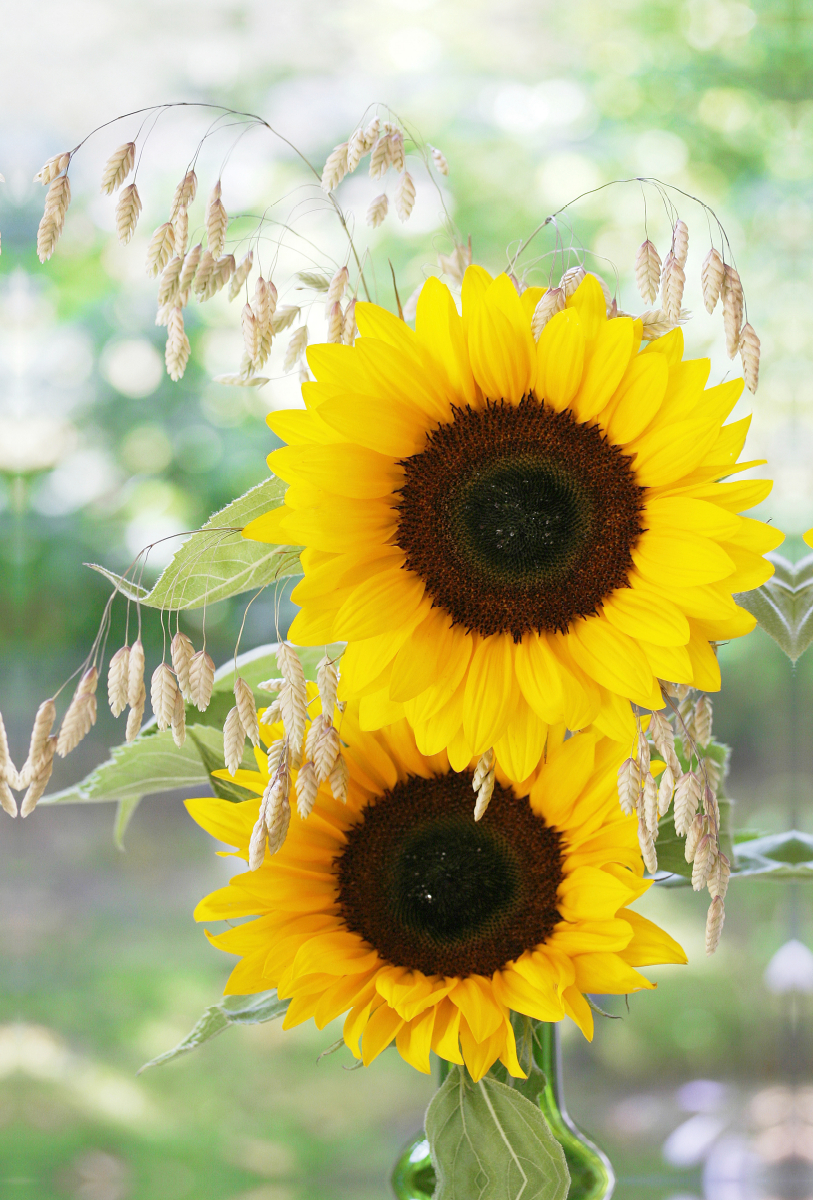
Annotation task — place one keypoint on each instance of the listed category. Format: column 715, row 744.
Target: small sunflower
column 508, row 534
column 427, row 927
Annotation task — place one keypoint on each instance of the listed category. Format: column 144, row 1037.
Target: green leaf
column 261, row 663
column 217, row 561
column 671, row 849
column 211, row 754
column 124, row 815
column 783, row 606
column 779, row 856
column 488, row 1142
column 232, row 1010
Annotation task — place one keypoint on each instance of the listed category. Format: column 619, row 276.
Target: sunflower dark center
column 435, row 891
column 518, row 518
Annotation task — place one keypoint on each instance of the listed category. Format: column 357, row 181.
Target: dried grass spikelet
column 206, row 267
column 316, row 730
column 8, row 771
column 181, row 650
column 335, row 323
column 693, row 835
column 185, row 193
column 335, row 289
column 703, row 720
column 176, row 354
column 648, row 271
column 439, row 159
column 642, row 752
column 687, row 798
column 483, row 782
column 551, row 303
column 666, row 790
column 749, row 353
column 270, row 715
column 128, row 211
column 714, row 924
column 379, row 207
column 455, row 264
column 356, row 149
column 178, row 724
column 296, row 348
column 339, row 778
column 250, row 331
column 647, row 845
column 629, row 785
column 163, row 689
column 335, row 168
column 234, row 741
column 703, row 862
column 136, row 714
column 161, row 247
column 327, row 681
column 118, row 167
column 81, row 714
column 405, row 196
column 712, row 276
column 263, row 306
column 135, row 672
column 54, row 166
column 396, row 137
column 247, row 709
column 307, row 785
column 241, row 274
column 571, row 279
column 350, row 327
column 169, row 283
column 380, row 157
column 7, row 801
column 53, row 218
column 649, row 805
column 284, row 317
column 39, row 781
column 201, row 679
column 655, row 324
column 718, row 879
column 181, row 226
column 278, row 818
column 189, row 269
column 371, row 134
column 293, row 699
column 327, row 751
column 732, row 309
column 217, row 222
column 38, row 744
column 222, row 272
column 118, row 681
column 680, row 242
column 673, row 281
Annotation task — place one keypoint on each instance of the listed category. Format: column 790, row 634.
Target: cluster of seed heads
column 696, row 811
column 311, row 749
column 719, row 281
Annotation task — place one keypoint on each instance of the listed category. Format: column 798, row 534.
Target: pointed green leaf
column 232, row 1010
column 783, row 606
column 779, row 856
column 488, row 1142
column 217, row 561
column 124, row 815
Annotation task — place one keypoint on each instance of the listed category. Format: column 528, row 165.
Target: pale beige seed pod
column 397, row 149
column 118, row 167
column 222, row 272
column 241, row 274
column 703, row 720
column 551, row 303
column 307, row 786
column 629, row 785
column 234, row 741
column 655, row 324
column 136, row 714
column 128, row 211
column 118, row 678
column 189, row 269
column 7, row 801
column 53, row 219
column 693, row 836
column 270, row 685
column 335, row 168
column 328, row 749
column 666, row 789
column 350, row 327
column 749, row 353
column 703, row 862
column 250, row 331
column 316, row 731
column 162, row 695
column 36, row 788
column 405, row 196
column 277, row 752
column 647, row 846
column 680, row 242
column 160, row 250
column 571, row 279
column 338, row 283
column 482, row 768
column 258, row 845
column 296, row 348
column 642, row 752
column 718, row 880
column 81, row 714
column 185, row 193
column 335, row 323
column 649, row 804
column 217, row 222
column 135, row 673
column 439, row 159
column 732, row 309
column 261, row 305
column 356, row 149
column 371, row 134
column 270, row 715
column 203, row 275
column 37, row 746
column 673, row 281
column 380, row 157
column 687, row 798
column 181, row 650
column 181, row 227
column 201, row 679
column 339, row 778
column 247, row 709
column 7, row 769
column 648, row 271
column 662, row 734
column 177, row 351
column 168, row 285
column 277, row 816
column 484, row 794
column 327, row 681
column 712, row 276
column 379, row 207
column 179, row 720
column 54, row 166
column 714, row 924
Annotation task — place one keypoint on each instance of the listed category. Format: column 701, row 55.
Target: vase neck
column 548, row 1057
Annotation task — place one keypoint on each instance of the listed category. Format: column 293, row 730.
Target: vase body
column 591, row 1175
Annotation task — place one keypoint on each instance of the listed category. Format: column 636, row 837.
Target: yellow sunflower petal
column 390, row 598
column 609, row 358
column 685, row 513
column 476, row 282
column 223, row 820
column 579, row 1011
column 613, row 659
column 650, row 944
column 638, row 613
column 670, row 346
column 435, row 649
column 446, row 1032
column 588, row 301
column 522, row 745
column 668, row 662
column 501, row 348
column 480, row 1056
column 637, row 398
column 588, row 894
column 381, row 1029
column 750, row 570
column 608, row 974
column 391, row 428
column 539, row 676
column 440, row 328
column 344, row 468
column 474, row 997
column 489, row 692
column 560, row 359
column 414, row 1041
column 681, row 559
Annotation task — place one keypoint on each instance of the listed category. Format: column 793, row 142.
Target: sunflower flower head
column 511, row 534
column 426, row 927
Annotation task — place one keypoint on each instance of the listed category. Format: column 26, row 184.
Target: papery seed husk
column 680, row 242
column 378, row 210
column 136, row 714
column 339, row 778
column 135, row 673
column 270, row 715
column 7, row 801
column 687, row 798
column 185, row 193
column 673, row 281
column 405, row 196
column 350, row 327
column 571, row 279
column 201, row 679
column 666, row 788
column 40, row 734
column 648, row 271
column 629, row 785
column 551, row 303
column 702, row 720
column 327, row 681
column 439, row 160
column 258, row 845
column 482, row 768
column 181, row 227
column 371, row 134
column 647, row 848
column 118, row 675
column 76, row 723
column 703, row 862
column 118, row 167
column 316, row 731
column 335, row 324
column 234, row 741
column 53, row 167
column 335, row 167
column 732, row 309
column 247, row 709
column 161, row 248
column 296, row 347
column 5, row 757
column 177, row 349
column 327, row 751
column 714, row 924
column 216, row 221
column 206, row 266
column 182, row 650
column 189, row 269
column 250, row 331
column 712, row 275
column 649, row 802
column 693, row 836
column 162, row 695
column 179, row 720
column 380, row 157
column 337, row 285
column 270, row 685
column 307, row 786
column 53, row 218
column 241, row 274
column 356, row 149
column 643, row 754
column 750, row 353
column 39, row 783
column 484, row 794
column 128, row 211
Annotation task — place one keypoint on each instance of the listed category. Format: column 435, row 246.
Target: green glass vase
column 591, row 1175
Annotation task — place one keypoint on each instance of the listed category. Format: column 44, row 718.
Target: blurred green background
column 532, row 103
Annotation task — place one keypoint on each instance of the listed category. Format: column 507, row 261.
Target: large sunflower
column 510, row 534
column 427, row 927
